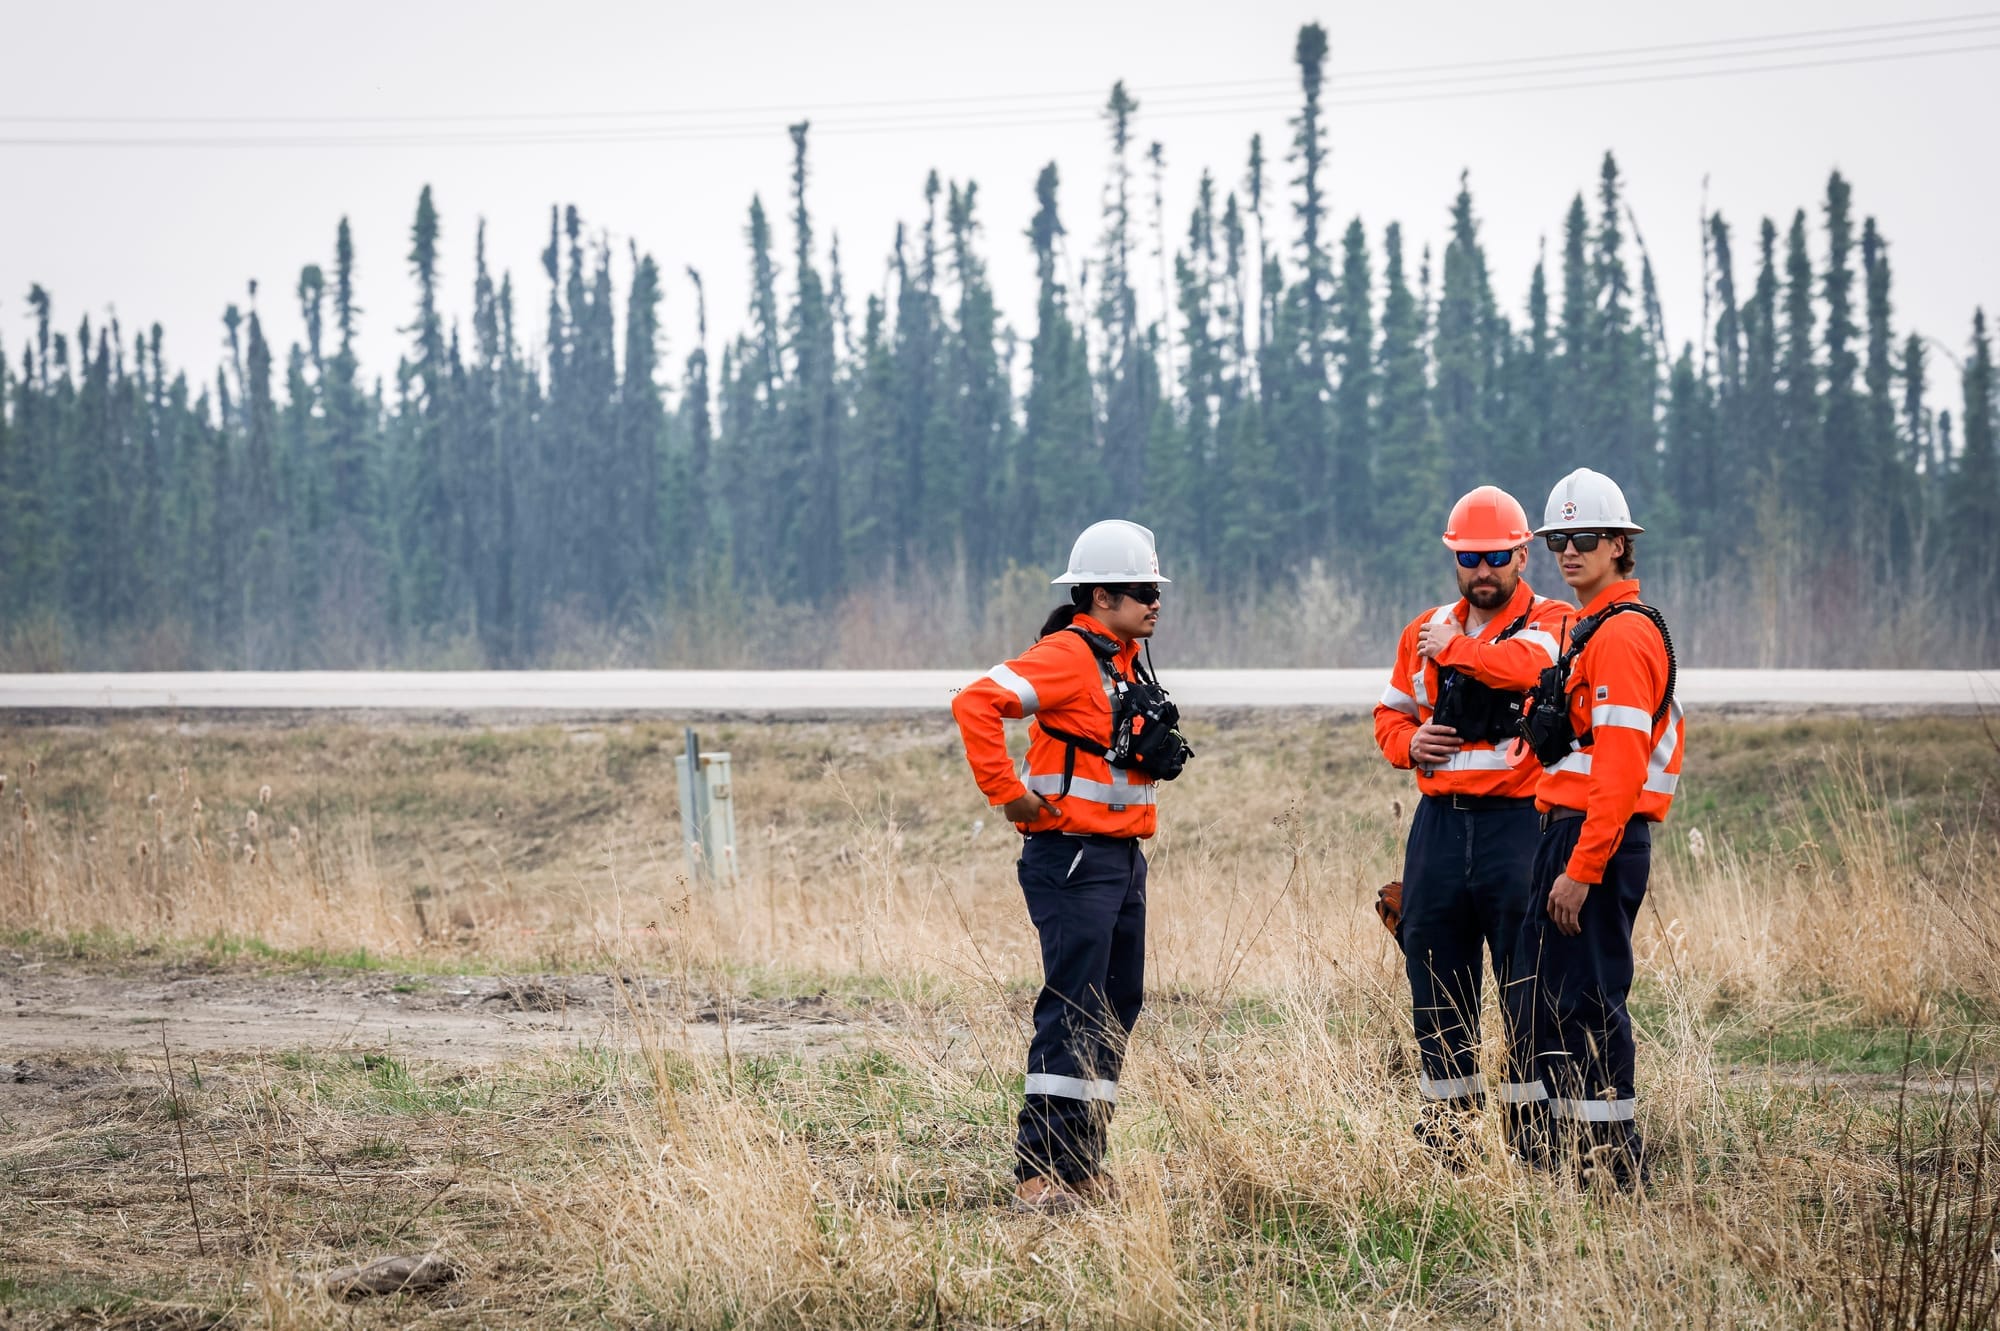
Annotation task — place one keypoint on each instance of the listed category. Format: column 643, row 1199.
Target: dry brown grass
column 1271, row 1177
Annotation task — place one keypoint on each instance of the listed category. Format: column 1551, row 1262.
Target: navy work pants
column 1087, row 898
column 1467, row 875
column 1568, row 1004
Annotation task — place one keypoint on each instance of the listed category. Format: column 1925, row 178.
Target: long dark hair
column 1063, row 616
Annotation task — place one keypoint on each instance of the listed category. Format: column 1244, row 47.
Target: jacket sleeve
column 1396, row 714
column 1515, row 663
column 1627, row 675
column 1045, row 675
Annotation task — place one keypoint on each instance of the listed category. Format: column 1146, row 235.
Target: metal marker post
column 694, row 807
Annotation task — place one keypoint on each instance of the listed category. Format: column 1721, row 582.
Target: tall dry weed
column 1264, row 1136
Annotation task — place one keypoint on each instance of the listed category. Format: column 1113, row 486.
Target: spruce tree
column 1576, row 419
column 1466, row 352
column 423, row 544
column 1799, row 405
column 689, row 551
column 1056, row 487
column 1975, row 489
column 1302, row 407
column 1127, row 410
column 1885, row 493
column 641, row 442
column 1846, row 469
column 1761, row 414
column 1524, row 446
column 811, row 475
column 1410, row 483
column 265, row 586
column 979, row 391
column 1354, row 395
column 1621, row 381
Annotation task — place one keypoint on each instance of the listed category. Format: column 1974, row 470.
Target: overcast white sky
column 172, row 233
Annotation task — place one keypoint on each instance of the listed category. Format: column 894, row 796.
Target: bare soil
column 50, row 1006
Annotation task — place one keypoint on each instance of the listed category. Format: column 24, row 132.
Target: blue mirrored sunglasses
column 1497, row 558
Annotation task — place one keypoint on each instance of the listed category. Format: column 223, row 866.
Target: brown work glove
column 1389, row 905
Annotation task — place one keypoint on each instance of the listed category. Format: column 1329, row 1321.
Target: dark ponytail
column 1063, row 616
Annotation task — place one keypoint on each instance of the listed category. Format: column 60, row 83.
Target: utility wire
column 1009, row 119
column 1017, row 103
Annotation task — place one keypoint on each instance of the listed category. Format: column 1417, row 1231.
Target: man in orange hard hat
column 1451, row 712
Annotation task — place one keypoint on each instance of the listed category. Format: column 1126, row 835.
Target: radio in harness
column 1545, row 721
column 1145, row 723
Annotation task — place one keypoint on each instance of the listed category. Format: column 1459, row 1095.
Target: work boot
column 1616, row 1165
column 1451, row 1134
column 1045, row 1197
column 1096, row 1189
column 1531, row 1136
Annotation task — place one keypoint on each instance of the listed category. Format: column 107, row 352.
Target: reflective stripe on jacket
column 1516, row 664
column 1059, row 679
column 1632, row 763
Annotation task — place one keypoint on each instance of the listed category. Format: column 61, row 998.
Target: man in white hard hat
column 1102, row 734
column 1607, row 729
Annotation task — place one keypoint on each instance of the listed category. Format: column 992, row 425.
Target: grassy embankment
column 1834, row 919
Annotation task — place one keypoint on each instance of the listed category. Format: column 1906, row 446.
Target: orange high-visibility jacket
column 1625, row 762
column 1059, row 680
column 1515, row 664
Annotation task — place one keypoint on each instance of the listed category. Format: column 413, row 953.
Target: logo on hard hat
column 1569, row 510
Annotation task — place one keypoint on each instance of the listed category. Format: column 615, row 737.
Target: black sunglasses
column 1145, row 593
column 1584, row 541
column 1496, row 558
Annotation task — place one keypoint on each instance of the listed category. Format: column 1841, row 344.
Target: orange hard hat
column 1487, row 519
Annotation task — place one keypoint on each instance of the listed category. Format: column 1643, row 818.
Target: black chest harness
column 1546, row 724
column 1477, row 711
column 1145, row 733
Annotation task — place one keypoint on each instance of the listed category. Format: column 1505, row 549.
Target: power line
column 967, row 120
column 1016, row 103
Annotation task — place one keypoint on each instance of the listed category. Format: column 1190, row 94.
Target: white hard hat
column 1112, row 551
column 1587, row 500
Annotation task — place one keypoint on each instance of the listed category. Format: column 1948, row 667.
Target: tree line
column 1310, row 394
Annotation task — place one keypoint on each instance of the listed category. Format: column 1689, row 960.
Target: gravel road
column 684, row 692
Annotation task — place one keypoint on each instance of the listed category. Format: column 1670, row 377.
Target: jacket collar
column 1517, row 605
column 1625, row 589
column 1090, row 623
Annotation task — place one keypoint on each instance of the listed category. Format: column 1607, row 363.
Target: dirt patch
column 47, row 1007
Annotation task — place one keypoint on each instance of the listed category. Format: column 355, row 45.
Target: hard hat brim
column 1463, row 543
column 1622, row 528
column 1102, row 579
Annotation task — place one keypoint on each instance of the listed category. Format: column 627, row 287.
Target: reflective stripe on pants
column 1467, row 874
column 1087, row 898
column 1567, row 1003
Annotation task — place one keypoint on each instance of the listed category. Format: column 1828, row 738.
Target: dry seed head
column 250, row 820
column 264, row 794
column 33, row 767
column 3, row 783
column 183, row 777
column 294, row 834
column 152, row 801
column 249, row 854
column 144, row 850
column 196, row 806
column 28, row 822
